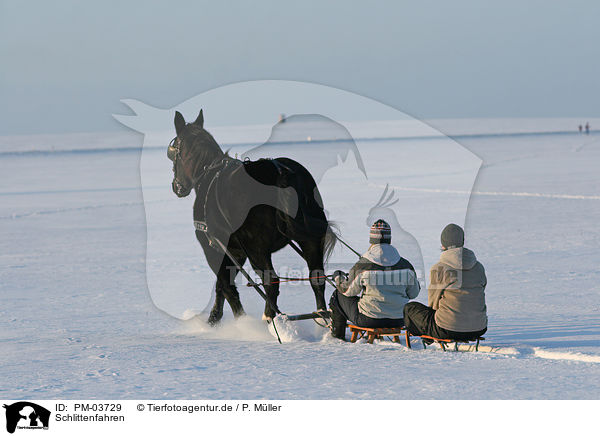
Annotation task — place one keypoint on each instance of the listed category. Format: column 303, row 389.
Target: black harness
column 210, row 175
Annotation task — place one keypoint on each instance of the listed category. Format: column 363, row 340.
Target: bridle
column 174, row 153
column 174, row 149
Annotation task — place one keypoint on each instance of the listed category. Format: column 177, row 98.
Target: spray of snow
column 558, row 355
column 244, row 328
column 248, row 328
column 291, row 331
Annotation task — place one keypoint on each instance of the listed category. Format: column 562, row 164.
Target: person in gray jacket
column 457, row 284
column 374, row 292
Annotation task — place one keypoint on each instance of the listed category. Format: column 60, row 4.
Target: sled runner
column 378, row 333
column 395, row 333
column 445, row 342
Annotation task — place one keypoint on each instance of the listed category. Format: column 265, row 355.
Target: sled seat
column 444, row 342
column 378, row 333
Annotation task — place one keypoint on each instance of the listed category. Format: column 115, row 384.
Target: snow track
column 290, row 331
column 69, row 209
column 558, row 355
column 248, row 328
column 494, row 193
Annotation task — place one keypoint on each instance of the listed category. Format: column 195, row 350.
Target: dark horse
column 254, row 208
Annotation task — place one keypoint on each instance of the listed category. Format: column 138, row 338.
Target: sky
column 67, row 64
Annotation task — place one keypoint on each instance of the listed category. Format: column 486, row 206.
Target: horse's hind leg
column 226, row 279
column 231, row 293
column 263, row 266
column 217, row 310
column 313, row 254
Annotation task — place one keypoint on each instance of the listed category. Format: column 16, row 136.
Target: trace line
column 497, row 193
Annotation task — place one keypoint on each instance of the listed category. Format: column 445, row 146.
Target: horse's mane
column 203, row 148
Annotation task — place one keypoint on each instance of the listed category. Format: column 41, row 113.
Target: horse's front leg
column 225, row 289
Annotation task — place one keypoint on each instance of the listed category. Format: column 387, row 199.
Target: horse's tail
column 330, row 239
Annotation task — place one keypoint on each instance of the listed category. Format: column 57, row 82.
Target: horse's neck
column 205, row 161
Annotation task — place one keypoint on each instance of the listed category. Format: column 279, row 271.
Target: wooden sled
column 445, row 342
column 378, row 333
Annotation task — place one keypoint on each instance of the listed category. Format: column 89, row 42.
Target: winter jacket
column 456, row 291
column 387, row 281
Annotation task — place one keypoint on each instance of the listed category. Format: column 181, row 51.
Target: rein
column 294, row 279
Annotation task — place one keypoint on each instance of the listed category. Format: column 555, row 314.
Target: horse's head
column 190, row 150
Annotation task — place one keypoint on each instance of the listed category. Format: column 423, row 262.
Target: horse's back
column 275, row 172
column 263, row 171
column 310, row 220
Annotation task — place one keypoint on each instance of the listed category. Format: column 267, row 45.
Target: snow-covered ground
column 77, row 319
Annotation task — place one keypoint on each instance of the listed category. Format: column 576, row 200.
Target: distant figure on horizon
column 587, row 128
column 580, row 128
column 282, row 118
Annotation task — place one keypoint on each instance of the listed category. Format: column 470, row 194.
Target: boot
column 338, row 325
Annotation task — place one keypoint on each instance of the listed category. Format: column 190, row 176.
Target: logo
column 393, row 170
column 26, row 415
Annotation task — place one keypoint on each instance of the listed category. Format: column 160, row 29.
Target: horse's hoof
column 239, row 314
column 213, row 321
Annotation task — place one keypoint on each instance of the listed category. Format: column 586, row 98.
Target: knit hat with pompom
column 381, row 233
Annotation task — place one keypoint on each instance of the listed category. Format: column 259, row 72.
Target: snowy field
column 77, row 318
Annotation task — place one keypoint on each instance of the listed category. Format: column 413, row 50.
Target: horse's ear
column 200, row 120
column 179, row 122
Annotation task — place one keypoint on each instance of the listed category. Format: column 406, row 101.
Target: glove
column 339, row 276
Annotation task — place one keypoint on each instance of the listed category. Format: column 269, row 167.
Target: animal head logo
column 426, row 167
column 405, row 242
column 383, row 207
column 26, row 415
column 317, row 141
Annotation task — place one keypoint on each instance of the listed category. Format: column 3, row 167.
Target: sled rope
column 293, row 279
column 348, row 246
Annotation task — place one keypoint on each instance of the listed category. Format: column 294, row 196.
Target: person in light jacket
column 457, row 284
column 374, row 292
